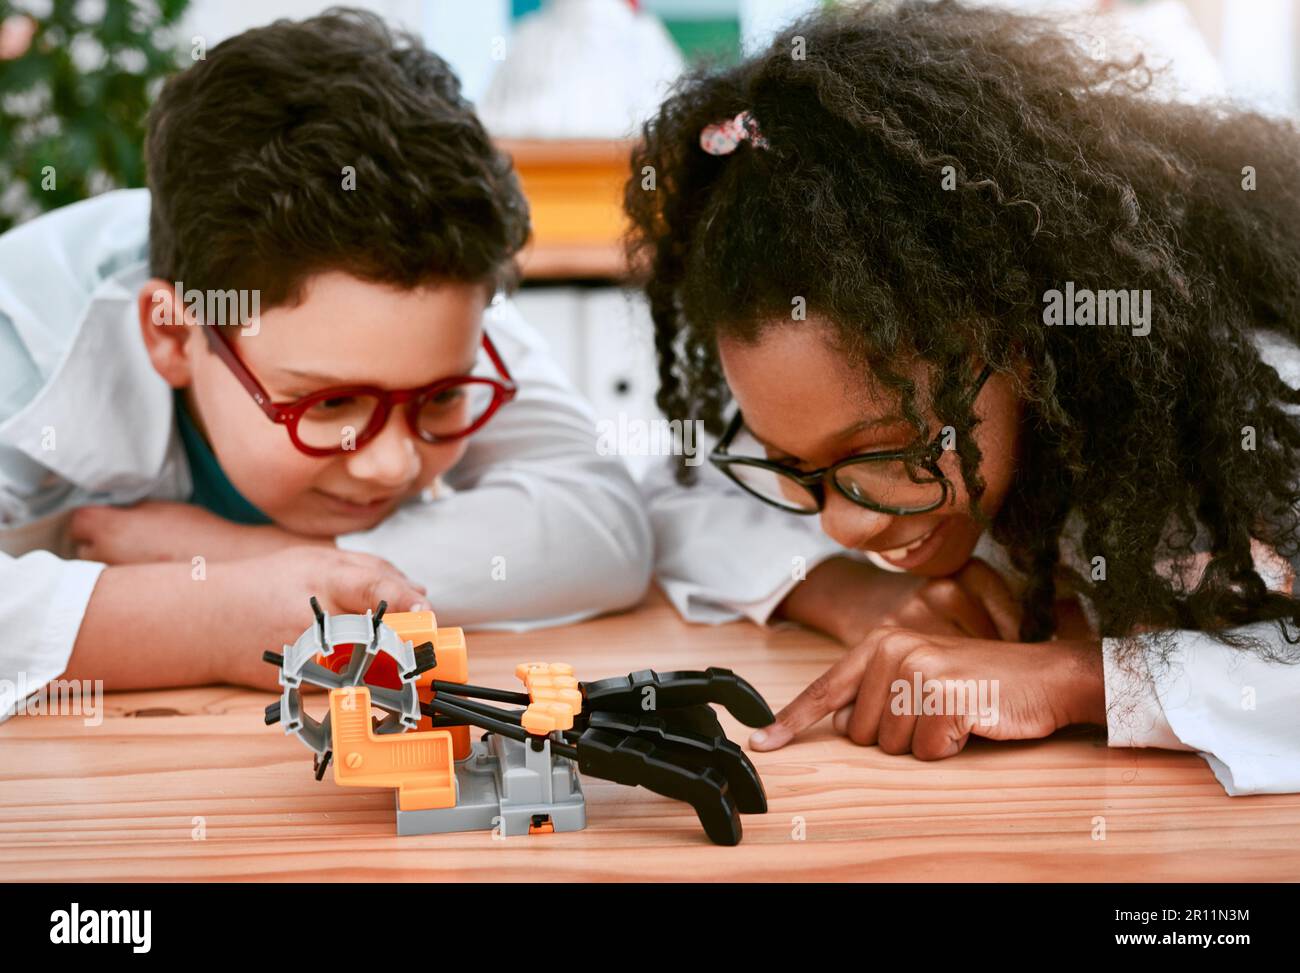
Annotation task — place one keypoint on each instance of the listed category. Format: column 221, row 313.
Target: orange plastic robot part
column 555, row 696
column 453, row 662
column 448, row 644
column 419, row 764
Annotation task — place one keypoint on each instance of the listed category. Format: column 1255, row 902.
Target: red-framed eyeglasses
column 346, row 417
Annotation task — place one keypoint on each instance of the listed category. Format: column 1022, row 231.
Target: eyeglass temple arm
column 222, row 349
column 497, row 360
column 724, row 444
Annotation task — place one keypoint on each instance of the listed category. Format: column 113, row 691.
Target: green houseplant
column 76, row 81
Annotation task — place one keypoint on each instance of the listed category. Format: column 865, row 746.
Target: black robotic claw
column 693, row 739
column 658, row 731
column 634, row 760
column 668, row 741
column 649, row 691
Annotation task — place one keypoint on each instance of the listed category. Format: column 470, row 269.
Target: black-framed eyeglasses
column 896, row 482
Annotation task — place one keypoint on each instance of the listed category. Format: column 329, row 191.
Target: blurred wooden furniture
column 575, row 192
column 578, row 290
column 189, row 784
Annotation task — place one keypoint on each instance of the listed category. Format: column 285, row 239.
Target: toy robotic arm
column 649, row 729
column 655, row 730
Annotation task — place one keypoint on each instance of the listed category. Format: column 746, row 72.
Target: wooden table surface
column 120, row 801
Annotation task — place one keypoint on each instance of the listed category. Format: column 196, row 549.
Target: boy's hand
column 1033, row 689
column 156, row 530
column 267, row 599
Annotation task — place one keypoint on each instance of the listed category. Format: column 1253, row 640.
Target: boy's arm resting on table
column 144, row 628
column 124, row 626
column 149, row 626
column 539, row 527
column 1239, row 710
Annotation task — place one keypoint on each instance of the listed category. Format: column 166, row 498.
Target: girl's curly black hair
column 933, row 169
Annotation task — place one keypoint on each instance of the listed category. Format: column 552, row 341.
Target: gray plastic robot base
column 510, row 781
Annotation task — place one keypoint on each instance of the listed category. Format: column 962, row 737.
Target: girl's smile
column 916, row 552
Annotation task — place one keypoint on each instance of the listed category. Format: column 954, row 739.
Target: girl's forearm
column 1085, row 681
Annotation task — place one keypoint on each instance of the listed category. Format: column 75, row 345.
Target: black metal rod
column 509, row 730
column 440, row 722
column 481, row 692
column 511, row 716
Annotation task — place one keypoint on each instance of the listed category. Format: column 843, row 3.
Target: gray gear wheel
column 368, row 637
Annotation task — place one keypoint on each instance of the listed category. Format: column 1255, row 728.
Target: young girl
column 1019, row 336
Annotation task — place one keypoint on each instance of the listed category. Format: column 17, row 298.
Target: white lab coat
column 84, row 419
column 723, row 555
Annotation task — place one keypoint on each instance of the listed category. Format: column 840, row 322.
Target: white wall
column 460, row 30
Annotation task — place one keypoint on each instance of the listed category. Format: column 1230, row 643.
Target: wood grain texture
column 119, row 801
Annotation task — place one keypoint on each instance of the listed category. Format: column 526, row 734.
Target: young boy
column 252, row 383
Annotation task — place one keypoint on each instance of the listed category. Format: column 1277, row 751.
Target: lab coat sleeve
column 721, row 554
column 42, row 602
column 538, row 527
column 1238, row 710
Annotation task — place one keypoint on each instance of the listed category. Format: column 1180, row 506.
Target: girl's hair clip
column 721, row 138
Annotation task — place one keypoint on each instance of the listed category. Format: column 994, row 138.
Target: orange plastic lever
column 419, row 764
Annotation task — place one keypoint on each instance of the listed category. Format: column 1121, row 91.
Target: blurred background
column 562, row 84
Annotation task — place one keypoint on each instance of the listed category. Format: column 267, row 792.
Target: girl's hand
column 1003, row 691
column 847, row 598
column 155, row 531
column 974, row 602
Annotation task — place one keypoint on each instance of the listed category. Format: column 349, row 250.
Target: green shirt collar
column 212, row 490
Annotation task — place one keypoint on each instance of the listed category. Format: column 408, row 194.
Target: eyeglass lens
column 896, row 484
column 327, row 423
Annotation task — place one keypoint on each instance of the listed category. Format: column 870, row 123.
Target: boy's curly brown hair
column 1064, row 167
column 246, row 155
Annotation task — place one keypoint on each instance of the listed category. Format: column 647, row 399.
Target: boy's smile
column 806, row 405
column 344, row 331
